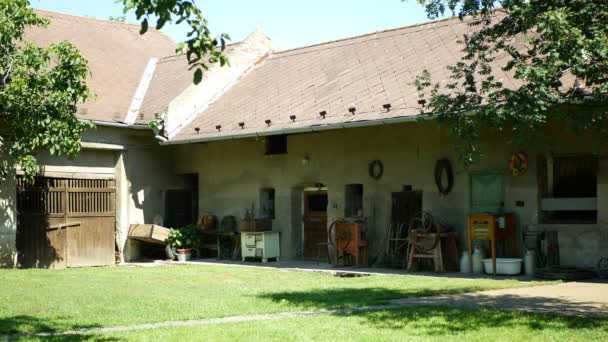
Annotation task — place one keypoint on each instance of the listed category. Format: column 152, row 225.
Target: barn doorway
column 66, row 222
column 315, row 222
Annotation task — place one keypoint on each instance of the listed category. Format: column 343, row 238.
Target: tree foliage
column 557, row 52
column 202, row 49
column 40, row 89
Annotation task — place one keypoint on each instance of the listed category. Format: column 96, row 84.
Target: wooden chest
column 149, row 233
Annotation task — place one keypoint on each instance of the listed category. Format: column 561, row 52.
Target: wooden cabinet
column 263, row 245
column 491, row 227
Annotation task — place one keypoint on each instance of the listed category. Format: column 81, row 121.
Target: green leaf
column 198, row 76
column 144, row 26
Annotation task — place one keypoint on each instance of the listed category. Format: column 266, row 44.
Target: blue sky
column 289, row 23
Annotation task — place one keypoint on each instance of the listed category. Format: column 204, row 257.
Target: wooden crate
column 149, row 233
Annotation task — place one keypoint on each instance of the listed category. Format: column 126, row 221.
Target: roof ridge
column 106, row 21
column 372, row 33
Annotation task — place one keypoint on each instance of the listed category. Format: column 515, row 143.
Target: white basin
column 506, row 266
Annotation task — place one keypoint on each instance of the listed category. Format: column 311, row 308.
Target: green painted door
column 487, row 192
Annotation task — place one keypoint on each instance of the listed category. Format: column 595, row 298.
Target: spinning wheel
column 348, row 241
column 340, row 240
column 423, row 232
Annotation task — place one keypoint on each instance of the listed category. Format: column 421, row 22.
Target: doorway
column 180, row 208
column 487, row 192
column 315, row 222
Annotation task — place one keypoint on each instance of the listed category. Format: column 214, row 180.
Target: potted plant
column 184, row 240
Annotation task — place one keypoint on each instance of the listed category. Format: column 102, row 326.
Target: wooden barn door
column 66, row 222
column 315, row 222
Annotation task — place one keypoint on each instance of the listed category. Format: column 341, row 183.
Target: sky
column 289, row 23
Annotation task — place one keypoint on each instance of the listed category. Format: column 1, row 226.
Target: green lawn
column 428, row 324
column 47, row 300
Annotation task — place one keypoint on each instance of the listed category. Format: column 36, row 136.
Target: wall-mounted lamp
column 242, row 125
column 387, row 107
column 293, row 118
column 352, row 110
column 323, row 114
column 218, row 127
column 268, row 122
column 306, row 160
column 197, row 130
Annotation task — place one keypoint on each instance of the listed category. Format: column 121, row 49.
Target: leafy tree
column 557, row 50
column 120, row 18
column 202, row 49
column 40, row 89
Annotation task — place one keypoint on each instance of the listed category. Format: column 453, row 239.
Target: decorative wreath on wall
column 518, row 163
column 376, row 169
column 443, row 167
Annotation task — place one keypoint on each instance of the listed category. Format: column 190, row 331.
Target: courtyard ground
column 309, row 305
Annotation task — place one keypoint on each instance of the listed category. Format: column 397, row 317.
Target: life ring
column 376, row 169
column 442, row 167
column 518, row 163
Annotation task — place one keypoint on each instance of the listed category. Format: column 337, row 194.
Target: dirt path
column 572, row 299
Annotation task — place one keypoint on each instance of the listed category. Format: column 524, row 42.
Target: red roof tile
column 117, row 56
column 364, row 72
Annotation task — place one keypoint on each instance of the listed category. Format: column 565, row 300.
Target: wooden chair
column 446, row 241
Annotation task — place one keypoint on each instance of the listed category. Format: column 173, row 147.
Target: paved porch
column 323, row 266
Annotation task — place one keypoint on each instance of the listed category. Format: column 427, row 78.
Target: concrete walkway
column 588, row 299
column 316, row 266
column 585, row 299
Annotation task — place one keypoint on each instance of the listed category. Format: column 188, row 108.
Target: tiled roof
column 364, row 72
column 171, row 77
column 117, row 56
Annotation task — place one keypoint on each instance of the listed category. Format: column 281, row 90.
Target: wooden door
column 487, row 192
column 405, row 206
column 66, row 222
column 180, row 208
column 315, row 222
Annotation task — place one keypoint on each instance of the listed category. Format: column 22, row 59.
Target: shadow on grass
column 435, row 321
column 455, row 314
column 336, row 298
column 352, row 297
column 21, row 327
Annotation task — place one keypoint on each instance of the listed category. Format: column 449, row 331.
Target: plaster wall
column 231, row 173
column 142, row 168
column 8, row 223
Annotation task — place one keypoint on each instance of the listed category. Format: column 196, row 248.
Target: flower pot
column 184, row 255
column 170, row 252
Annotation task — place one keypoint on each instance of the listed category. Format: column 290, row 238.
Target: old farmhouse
column 304, row 136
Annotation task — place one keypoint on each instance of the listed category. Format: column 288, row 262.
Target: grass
column 421, row 323
column 51, row 300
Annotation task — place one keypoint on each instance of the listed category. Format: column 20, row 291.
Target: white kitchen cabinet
column 263, row 245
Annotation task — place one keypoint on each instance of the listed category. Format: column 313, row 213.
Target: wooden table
column 219, row 237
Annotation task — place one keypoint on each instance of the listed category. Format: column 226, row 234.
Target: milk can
column 529, row 263
column 477, row 260
column 465, row 267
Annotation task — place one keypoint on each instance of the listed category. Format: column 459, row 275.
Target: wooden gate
column 66, row 222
